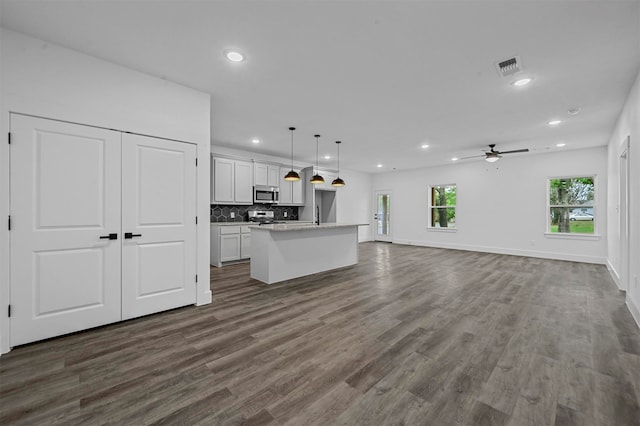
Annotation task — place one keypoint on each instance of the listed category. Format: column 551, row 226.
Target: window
column 571, row 205
column 442, row 206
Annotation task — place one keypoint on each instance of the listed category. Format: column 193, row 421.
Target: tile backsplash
column 222, row 213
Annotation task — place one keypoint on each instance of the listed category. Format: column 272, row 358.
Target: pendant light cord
column 317, row 163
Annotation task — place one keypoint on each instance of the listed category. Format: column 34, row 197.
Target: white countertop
column 304, row 226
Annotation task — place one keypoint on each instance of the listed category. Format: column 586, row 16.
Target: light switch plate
column 233, row 215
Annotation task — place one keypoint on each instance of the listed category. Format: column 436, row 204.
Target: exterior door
column 65, row 203
column 158, row 225
column 382, row 216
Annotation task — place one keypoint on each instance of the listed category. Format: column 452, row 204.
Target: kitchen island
column 281, row 252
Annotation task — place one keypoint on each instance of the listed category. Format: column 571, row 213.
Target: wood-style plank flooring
column 410, row 335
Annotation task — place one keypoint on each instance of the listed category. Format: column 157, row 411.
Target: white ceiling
column 384, row 77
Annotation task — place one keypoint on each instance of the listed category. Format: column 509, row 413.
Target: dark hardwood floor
column 410, row 335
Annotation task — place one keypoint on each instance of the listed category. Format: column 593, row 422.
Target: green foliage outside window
column 443, row 206
column 571, row 205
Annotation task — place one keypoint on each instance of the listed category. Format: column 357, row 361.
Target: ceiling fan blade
column 473, row 156
column 514, row 151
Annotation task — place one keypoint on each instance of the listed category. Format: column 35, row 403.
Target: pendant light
column 338, row 181
column 316, row 178
column 292, row 175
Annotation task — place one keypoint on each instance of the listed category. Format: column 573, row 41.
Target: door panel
column 229, row 247
column 243, row 182
column 159, row 210
column 65, row 195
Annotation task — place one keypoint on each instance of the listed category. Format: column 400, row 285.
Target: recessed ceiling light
column 573, row 111
column 255, row 140
column 379, row 165
column 454, row 159
column 522, row 82
column 233, row 55
column 560, row 145
column 554, row 122
column 327, row 157
column 424, row 146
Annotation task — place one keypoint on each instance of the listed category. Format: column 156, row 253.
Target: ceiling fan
column 493, row 155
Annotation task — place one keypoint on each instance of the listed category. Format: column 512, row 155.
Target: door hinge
column 196, row 220
column 9, row 138
column 9, row 223
column 9, row 311
column 196, row 277
column 196, row 162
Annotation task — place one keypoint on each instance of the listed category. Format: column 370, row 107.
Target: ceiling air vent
column 509, row 66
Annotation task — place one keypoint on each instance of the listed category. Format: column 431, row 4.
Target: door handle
column 109, row 237
column 129, row 235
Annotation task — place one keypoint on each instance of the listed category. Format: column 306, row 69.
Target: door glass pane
column 383, row 214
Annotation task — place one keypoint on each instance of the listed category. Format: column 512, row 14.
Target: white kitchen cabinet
column 285, row 197
column 266, row 174
column 291, row 193
column 229, row 242
column 232, row 181
column 245, row 245
column 229, row 247
column 297, row 190
column 244, row 182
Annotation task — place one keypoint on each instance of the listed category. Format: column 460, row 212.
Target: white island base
column 281, row 252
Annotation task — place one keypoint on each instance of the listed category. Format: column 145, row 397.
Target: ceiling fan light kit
column 493, row 155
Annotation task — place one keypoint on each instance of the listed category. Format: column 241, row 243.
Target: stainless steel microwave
column 263, row 194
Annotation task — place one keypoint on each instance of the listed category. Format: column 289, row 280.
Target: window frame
column 549, row 206
column 430, row 208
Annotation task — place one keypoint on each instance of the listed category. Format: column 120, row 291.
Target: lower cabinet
column 229, row 243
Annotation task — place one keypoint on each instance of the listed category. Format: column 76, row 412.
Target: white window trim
column 596, row 211
column 430, row 206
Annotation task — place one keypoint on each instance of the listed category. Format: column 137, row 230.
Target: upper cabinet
column 297, row 190
column 266, row 174
column 232, row 181
column 291, row 193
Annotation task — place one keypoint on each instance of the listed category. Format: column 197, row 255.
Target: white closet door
column 65, row 196
column 159, row 211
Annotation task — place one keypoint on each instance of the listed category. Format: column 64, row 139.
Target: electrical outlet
column 233, row 215
column 285, row 214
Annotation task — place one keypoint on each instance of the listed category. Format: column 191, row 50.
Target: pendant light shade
column 316, row 178
column 338, row 181
column 292, row 176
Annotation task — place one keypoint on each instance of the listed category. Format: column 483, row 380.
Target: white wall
column 501, row 206
column 628, row 125
column 46, row 80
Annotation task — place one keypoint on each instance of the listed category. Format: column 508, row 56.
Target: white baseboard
column 614, row 274
column 514, row 252
column 635, row 312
